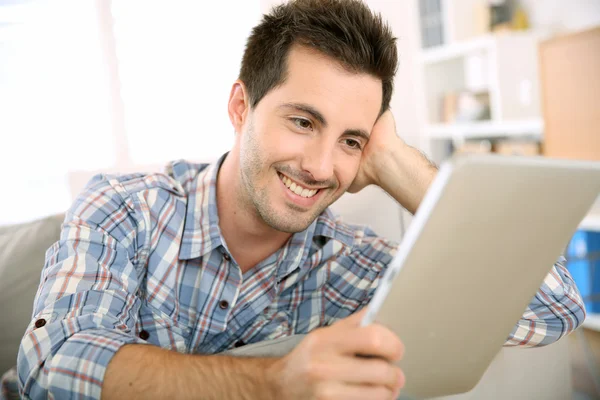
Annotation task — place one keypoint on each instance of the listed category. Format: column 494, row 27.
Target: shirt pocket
column 159, row 329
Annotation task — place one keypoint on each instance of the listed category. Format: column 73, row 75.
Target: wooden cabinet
column 570, row 89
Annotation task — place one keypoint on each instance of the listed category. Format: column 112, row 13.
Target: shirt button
column 226, row 257
column 40, row 322
column 144, row 335
column 239, row 343
column 223, row 304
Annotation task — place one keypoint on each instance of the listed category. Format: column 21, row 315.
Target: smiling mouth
column 296, row 188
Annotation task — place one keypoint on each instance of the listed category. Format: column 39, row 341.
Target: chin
column 286, row 223
column 289, row 226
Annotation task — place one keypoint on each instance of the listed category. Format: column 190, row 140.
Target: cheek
column 283, row 143
column 346, row 169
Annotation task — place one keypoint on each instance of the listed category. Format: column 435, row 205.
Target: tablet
column 486, row 235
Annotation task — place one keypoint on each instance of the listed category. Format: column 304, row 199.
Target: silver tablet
column 478, row 249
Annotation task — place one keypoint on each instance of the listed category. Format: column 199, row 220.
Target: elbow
column 30, row 368
column 574, row 314
column 48, row 363
column 561, row 326
column 538, row 332
column 55, row 366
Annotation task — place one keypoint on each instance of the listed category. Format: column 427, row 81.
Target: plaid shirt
column 141, row 259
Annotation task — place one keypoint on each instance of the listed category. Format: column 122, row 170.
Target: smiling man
column 155, row 274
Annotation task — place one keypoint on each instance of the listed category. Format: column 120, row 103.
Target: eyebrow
column 361, row 133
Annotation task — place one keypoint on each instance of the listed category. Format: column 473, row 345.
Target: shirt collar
column 201, row 232
column 326, row 228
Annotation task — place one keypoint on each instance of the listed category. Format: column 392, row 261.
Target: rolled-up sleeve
column 86, row 306
column 555, row 311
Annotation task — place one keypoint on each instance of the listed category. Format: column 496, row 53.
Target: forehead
column 343, row 97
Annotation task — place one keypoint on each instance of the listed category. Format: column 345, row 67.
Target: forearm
column 148, row 372
column 405, row 174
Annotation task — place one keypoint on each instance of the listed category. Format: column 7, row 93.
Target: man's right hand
column 327, row 364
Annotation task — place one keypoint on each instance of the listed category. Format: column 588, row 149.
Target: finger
column 363, row 371
column 374, row 340
column 337, row 390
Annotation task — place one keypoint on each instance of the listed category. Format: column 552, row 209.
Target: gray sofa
column 22, row 250
column 542, row 373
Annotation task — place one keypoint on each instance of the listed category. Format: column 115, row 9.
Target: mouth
column 296, row 188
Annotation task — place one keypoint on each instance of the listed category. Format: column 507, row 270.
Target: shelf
column 592, row 321
column 448, row 52
column 531, row 128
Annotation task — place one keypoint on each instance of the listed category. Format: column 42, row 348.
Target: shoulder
column 128, row 200
column 117, row 188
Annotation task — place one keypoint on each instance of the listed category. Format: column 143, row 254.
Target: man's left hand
column 383, row 139
column 388, row 162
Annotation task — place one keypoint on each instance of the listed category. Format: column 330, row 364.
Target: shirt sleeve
column 555, row 311
column 86, row 305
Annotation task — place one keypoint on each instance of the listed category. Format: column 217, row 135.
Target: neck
column 249, row 239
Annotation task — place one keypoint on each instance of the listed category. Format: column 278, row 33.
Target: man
column 211, row 257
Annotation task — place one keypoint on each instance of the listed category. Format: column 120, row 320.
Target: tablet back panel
column 486, row 235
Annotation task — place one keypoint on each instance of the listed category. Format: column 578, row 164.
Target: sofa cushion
column 269, row 348
column 22, row 253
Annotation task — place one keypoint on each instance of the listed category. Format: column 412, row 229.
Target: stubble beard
column 257, row 200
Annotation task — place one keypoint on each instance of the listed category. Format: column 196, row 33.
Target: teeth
column 297, row 189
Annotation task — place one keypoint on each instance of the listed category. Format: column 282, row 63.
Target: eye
column 353, row 144
column 302, row 123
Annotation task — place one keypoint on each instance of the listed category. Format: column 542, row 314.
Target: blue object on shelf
column 583, row 263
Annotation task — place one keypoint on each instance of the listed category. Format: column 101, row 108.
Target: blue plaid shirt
column 141, row 259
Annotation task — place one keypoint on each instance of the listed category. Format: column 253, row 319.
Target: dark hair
column 345, row 30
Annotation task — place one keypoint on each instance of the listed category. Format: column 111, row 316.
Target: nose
column 318, row 160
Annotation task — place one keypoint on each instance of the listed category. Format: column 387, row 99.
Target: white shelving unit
column 456, row 50
column 504, row 66
column 488, row 129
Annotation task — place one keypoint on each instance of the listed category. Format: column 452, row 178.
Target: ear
column 238, row 106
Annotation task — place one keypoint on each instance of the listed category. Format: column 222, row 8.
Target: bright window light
column 54, row 103
column 177, row 62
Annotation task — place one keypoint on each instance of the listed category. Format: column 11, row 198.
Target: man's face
column 301, row 147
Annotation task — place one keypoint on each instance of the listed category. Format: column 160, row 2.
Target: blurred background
column 90, row 86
